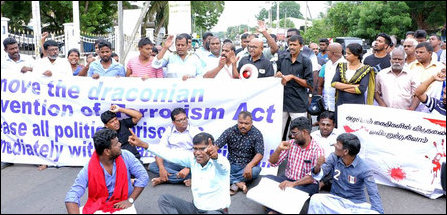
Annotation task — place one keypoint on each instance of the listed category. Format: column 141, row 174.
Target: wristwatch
column 130, row 200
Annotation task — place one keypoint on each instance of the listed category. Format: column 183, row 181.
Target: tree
column 390, row 17
column 95, row 16
column 428, row 15
column 291, row 8
column 205, row 14
column 289, row 24
column 319, row 29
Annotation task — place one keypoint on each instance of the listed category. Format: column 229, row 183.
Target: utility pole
column 305, row 21
column 120, row 32
column 36, row 26
column 277, row 16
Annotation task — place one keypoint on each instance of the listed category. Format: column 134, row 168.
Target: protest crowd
column 317, row 79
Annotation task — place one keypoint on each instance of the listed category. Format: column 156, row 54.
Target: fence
column 27, row 42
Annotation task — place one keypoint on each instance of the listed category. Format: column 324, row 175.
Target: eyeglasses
column 181, row 120
column 294, row 133
column 405, row 46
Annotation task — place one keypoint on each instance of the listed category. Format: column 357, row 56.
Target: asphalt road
column 25, row 190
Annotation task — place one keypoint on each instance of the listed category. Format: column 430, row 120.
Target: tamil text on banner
column 405, row 148
column 52, row 121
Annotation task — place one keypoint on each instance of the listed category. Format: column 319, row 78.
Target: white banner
column 405, row 148
column 48, row 121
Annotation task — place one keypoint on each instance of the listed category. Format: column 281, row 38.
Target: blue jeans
column 237, row 171
column 172, row 169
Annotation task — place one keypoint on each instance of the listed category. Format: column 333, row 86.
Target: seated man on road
column 326, row 137
column 107, row 176
column 350, row 176
column 122, row 126
column 302, row 153
column 177, row 136
column 246, row 149
column 210, row 176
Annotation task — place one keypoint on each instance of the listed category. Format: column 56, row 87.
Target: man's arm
column 263, row 30
column 136, row 115
column 212, row 73
column 141, row 178
column 420, row 91
column 373, row 192
column 72, row 208
column 378, row 91
column 275, row 157
column 247, row 170
column 177, row 157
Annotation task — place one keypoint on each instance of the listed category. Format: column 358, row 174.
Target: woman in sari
column 353, row 79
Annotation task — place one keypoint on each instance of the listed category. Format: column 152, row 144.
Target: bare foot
column 242, row 186
column 187, row 182
column 156, row 181
column 42, row 167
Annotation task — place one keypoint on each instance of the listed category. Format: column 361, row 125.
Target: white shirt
column 326, row 143
column 9, row 65
column 174, row 139
column 328, row 90
column 209, row 184
column 59, row 68
column 225, row 73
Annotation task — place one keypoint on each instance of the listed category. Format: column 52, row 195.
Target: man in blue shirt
column 210, row 176
column 106, row 66
column 109, row 154
column 350, row 176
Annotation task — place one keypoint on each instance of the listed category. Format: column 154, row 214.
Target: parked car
column 345, row 41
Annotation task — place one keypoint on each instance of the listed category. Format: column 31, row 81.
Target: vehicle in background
column 345, row 41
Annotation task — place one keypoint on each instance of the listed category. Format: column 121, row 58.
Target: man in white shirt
column 210, row 177
column 334, row 52
column 177, row 136
column 326, row 137
column 226, row 69
column 14, row 61
column 180, row 64
column 52, row 65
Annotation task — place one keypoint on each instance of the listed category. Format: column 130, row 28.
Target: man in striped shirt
column 302, row 153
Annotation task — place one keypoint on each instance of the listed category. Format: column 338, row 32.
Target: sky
column 243, row 12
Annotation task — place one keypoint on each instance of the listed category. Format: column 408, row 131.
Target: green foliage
column 394, row 19
column 234, row 31
column 205, row 14
column 95, row 16
column 427, row 15
column 362, row 19
column 319, row 29
column 289, row 8
column 18, row 12
column 289, row 24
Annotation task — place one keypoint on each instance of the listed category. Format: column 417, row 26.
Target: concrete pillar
column 69, row 38
column 76, row 26
column 118, row 41
column 4, row 32
column 150, row 34
column 37, row 27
